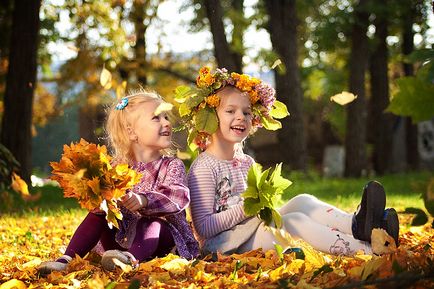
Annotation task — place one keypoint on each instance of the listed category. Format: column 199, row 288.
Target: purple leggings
column 153, row 238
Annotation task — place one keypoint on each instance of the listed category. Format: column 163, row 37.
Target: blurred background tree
column 310, row 50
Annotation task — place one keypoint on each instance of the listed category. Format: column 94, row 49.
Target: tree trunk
column 382, row 121
column 411, row 139
column 237, row 43
column 20, row 83
column 282, row 27
column 355, row 138
column 139, row 12
column 222, row 50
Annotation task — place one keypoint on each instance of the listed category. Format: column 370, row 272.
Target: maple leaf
column 85, row 173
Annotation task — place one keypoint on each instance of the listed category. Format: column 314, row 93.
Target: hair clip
column 123, row 102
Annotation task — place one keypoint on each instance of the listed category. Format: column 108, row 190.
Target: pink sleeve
column 172, row 195
column 207, row 223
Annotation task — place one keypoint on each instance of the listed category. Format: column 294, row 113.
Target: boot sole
column 392, row 225
column 375, row 199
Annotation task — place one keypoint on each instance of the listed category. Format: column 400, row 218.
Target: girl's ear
column 131, row 134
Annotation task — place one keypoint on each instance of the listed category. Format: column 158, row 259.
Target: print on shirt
column 340, row 247
column 223, row 193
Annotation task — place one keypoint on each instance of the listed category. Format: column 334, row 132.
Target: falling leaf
column 162, row 107
column 20, row 186
column 343, row 98
column 276, row 63
column 105, row 78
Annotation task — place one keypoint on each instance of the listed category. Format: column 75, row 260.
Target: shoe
column 46, row 268
column 391, row 224
column 369, row 214
column 124, row 257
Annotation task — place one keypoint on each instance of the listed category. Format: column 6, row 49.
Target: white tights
column 325, row 227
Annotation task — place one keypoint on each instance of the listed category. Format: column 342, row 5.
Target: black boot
column 391, row 224
column 369, row 214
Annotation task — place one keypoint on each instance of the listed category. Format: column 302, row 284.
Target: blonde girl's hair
column 120, row 120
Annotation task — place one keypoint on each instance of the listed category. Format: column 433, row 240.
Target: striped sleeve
column 207, row 223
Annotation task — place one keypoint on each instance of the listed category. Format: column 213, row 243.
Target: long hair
column 120, row 119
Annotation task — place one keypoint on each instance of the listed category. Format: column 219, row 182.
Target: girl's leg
column 319, row 236
column 87, row 235
column 319, row 211
column 153, row 238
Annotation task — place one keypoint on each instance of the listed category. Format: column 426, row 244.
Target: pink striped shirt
column 215, row 188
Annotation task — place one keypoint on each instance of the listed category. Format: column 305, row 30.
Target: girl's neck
column 223, row 151
column 146, row 156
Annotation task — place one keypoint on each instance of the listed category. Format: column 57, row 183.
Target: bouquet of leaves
column 264, row 192
column 85, row 173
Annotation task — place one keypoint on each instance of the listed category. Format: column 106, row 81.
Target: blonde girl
column 153, row 211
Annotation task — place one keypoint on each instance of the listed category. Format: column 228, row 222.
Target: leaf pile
column 85, row 172
column 264, row 192
column 26, row 242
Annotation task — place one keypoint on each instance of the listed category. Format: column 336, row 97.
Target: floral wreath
column 198, row 104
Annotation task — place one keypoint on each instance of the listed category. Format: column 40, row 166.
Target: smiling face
column 235, row 116
column 150, row 133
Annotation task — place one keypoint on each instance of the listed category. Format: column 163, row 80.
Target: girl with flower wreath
column 154, row 218
column 220, row 112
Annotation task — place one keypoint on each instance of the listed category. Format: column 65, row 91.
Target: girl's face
column 150, row 131
column 235, row 116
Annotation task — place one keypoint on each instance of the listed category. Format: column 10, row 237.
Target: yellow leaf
column 176, row 266
column 164, row 106
column 13, row 284
column 343, row 98
column 183, row 155
column 19, row 185
column 122, row 169
column 105, row 78
column 370, row 267
column 125, row 268
column 120, row 90
column 276, row 63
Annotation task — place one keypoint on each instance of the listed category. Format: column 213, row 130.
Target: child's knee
column 303, row 199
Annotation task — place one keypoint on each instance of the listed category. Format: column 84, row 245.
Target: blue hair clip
column 122, row 103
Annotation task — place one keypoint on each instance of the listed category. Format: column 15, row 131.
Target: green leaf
column 279, row 110
column 253, row 175
column 206, row 120
column 184, row 110
column 264, row 190
column 250, row 192
column 266, row 215
column 252, row 206
column 135, row 284
column 263, row 178
column 270, row 123
column 277, row 180
column 414, row 99
column 421, row 55
column 182, row 92
column 190, row 139
column 277, row 218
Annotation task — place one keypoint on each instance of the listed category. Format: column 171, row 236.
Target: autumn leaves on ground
column 27, row 241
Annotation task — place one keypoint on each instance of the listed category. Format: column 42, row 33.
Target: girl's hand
column 134, row 202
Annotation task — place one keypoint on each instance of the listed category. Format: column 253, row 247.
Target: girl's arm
column 207, row 223
column 171, row 196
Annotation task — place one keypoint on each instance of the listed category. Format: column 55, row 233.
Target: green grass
column 403, row 190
